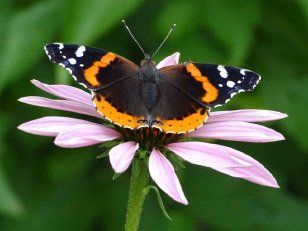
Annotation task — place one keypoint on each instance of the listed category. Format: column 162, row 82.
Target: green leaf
column 28, row 31
column 304, row 7
column 147, row 189
column 103, row 155
column 176, row 161
column 116, row 175
column 233, row 24
column 85, row 21
column 4, row 18
column 106, row 146
column 10, row 204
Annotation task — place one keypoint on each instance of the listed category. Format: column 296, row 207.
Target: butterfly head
column 148, row 68
column 147, row 61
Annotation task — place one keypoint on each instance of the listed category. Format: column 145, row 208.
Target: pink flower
column 238, row 125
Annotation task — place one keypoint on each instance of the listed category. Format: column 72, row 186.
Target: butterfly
column 174, row 99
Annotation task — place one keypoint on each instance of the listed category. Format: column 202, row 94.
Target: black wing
column 92, row 67
column 177, row 112
column 121, row 103
column 211, row 85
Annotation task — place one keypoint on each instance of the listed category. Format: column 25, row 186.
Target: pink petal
column 122, row 155
column 257, row 173
column 169, row 61
column 162, row 172
column 85, row 135
column 205, row 154
column 252, row 171
column 237, row 131
column 51, row 125
column 249, row 115
column 65, row 92
column 64, row 105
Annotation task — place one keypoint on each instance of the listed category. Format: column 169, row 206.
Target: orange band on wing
column 112, row 114
column 91, row 72
column 211, row 91
column 184, row 125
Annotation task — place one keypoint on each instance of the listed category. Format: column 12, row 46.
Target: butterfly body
column 174, row 99
column 149, row 90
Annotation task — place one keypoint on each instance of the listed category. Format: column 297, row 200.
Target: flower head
column 238, row 125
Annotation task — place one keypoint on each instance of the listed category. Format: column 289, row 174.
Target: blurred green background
column 43, row 187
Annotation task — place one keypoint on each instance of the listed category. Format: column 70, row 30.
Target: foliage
column 43, row 187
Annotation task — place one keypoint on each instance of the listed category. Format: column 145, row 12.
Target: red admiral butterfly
column 174, row 99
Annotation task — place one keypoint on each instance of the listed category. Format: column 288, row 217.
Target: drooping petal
column 122, row 155
column 65, row 92
column 162, row 172
column 249, row 115
column 257, row 173
column 237, row 131
column 64, row 105
column 169, row 61
column 252, row 170
column 51, row 125
column 208, row 155
column 85, row 135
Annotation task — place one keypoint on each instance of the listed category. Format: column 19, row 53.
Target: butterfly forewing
column 92, row 67
column 224, row 82
column 211, row 85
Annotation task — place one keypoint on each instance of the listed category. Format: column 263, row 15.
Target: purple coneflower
column 237, row 125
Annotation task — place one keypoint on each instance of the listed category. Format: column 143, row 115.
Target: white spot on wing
column 220, row 85
column 243, row 71
column 72, row 61
column 230, row 84
column 79, row 51
column 61, row 46
column 81, row 65
column 222, row 71
column 69, row 70
column 82, row 84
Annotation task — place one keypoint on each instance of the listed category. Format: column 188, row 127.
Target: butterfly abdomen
column 149, row 94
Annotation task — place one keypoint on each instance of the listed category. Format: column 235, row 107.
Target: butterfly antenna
column 131, row 34
column 172, row 28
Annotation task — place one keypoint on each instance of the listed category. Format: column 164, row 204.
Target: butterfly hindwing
column 92, row 67
column 121, row 103
column 177, row 112
column 210, row 84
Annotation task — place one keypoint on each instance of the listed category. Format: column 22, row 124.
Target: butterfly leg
column 143, row 122
column 154, row 123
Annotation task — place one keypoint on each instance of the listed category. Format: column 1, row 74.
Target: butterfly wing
column 177, row 112
column 121, row 103
column 111, row 78
column 210, row 84
column 92, row 67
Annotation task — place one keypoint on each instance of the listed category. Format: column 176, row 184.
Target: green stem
column 139, row 180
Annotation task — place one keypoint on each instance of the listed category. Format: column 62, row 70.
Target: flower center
column 148, row 138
